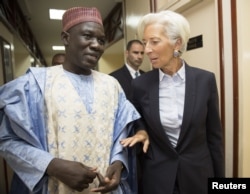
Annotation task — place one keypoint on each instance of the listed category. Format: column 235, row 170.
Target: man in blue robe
column 42, row 111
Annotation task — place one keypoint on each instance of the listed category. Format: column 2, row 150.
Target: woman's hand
column 140, row 137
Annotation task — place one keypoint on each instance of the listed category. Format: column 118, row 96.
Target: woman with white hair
column 179, row 108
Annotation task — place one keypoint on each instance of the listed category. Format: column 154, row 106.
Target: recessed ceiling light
column 56, row 14
column 58, row 48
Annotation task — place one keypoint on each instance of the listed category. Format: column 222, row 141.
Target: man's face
column 135, row 55
column 58, row 60
column 84, row 45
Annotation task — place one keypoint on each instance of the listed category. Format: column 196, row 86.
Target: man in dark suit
column 130, row 70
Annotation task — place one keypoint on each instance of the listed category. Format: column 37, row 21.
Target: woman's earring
column 177, row 53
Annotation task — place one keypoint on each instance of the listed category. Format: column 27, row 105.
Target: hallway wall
column 134, row 10
column 203, row 19
column 8, row 36
column 244, row 82
column 112, row 61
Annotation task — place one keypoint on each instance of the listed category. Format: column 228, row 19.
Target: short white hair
column 175, row 25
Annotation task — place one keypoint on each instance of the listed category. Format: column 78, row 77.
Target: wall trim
column 235, row 88
column 222, row 65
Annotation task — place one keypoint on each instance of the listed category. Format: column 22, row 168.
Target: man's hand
column 74, row 174
column 111, row 180
column 140, row 136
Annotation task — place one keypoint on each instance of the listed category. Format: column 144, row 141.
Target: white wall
column 134, row 11
column 111, row 61
column 228, row 71
column 244, row 81
column 22, row 63
column 203, row 19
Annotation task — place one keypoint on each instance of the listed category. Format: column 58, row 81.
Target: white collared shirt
column 171, row 102
column 132, row 71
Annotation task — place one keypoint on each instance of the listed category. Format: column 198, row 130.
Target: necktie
column 136, row 74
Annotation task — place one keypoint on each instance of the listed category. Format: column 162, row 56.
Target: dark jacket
column 199, row 151
column 124, row 78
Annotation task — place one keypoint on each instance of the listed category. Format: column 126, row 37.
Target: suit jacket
column 124, row 78
column 199, row 151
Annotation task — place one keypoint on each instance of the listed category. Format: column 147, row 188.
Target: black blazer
column 124, row 78
column 199, row 152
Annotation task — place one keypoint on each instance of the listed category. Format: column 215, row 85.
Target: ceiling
column 47, row 32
